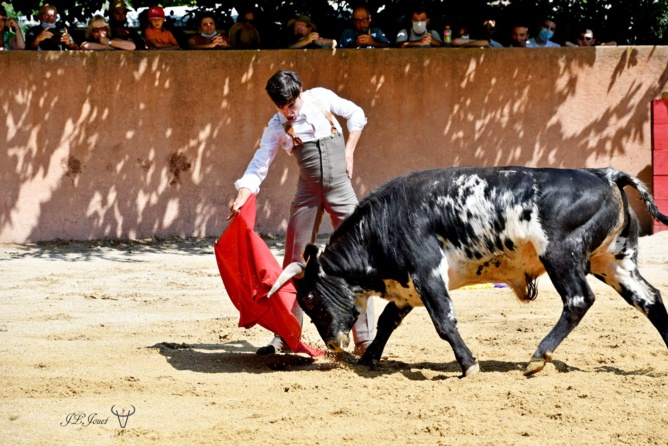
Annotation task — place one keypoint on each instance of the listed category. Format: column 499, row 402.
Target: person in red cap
column 157, row 37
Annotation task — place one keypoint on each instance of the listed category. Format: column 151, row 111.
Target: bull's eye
column 307, row 302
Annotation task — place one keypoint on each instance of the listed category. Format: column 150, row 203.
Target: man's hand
column 242, row 196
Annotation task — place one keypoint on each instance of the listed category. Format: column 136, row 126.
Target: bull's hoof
column 367, row 360
column 534, row 366
column 473, row 370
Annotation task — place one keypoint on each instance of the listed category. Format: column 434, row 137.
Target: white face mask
column 419, row 27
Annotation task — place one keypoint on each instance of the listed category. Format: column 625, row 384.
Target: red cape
column 249, row 269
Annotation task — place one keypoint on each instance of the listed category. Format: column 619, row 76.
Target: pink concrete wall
column 131, row 145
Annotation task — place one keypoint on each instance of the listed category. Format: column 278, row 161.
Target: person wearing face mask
column 49, row 34
column 208, row 38
column 419, row 36
column 304, row 126
column 542, row 40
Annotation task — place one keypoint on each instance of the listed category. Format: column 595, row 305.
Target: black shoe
column 266, row 350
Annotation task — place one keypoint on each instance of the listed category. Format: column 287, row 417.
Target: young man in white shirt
column 304, row 127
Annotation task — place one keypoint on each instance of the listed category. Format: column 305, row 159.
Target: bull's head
column 326, row 299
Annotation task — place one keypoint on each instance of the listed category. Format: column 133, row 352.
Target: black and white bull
column 428, row 232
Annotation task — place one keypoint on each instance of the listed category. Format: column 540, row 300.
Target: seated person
column 490, row 30
column 361, row 35
column 157, row 37
column 464, row 39
column 244, row 36
column 586, row 38
column 10, row 40
column 98, row 37
column 542, row 40
column 49, row 35
column 208, row 38
column 305, row 34
column 519, row 35
column 118, row 25
column 418, row 36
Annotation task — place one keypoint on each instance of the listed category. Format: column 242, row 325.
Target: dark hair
column 284, row 87
column 244, row 36
column 3, row 11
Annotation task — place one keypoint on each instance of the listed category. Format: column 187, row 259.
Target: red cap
column 156, row 12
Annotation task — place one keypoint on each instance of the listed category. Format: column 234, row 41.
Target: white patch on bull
column 442, row 270
column 529, row 240
column 400, row 295
column 576, row 302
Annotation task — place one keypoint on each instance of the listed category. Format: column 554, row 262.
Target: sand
column 146, row 327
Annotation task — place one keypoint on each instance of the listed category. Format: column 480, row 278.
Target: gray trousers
column 323, row 186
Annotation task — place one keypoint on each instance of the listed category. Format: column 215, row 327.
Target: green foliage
column 625, row 21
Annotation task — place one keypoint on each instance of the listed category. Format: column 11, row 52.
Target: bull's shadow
column 239, row 356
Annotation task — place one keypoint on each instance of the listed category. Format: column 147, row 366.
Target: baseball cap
column 156, row 12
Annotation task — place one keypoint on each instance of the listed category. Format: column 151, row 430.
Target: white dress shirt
column 311, row 125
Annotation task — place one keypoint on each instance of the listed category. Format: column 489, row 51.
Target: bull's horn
column 295, row 269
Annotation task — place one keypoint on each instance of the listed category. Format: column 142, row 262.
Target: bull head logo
column 123, row 415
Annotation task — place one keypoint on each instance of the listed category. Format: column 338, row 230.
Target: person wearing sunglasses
column 98, row 37
column 49, row 35
column 545, row 34
column 362, row 35
column 586, row 38
column 12, row 36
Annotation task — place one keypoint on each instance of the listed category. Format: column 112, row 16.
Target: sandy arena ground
column 88, row 326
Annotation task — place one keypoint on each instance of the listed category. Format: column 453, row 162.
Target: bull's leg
column 621, row 273
column 577, row 298
column 388, row 321
column 439, row 306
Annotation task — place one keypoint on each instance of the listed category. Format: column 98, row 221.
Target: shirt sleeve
column 353, row 113
column 257, row 169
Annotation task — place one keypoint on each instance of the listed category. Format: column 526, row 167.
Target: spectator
column 49, row 35
column 361, row 35
column 546, row 32
column 244, row 36
column 490, row 30
column 208, row 38
column 305, row 34
column 118, row 24
column 157, row 37
column 98, row 37
column 463, row 39
column 419, row 36
column 10, row 40
column 304, row 126
column 586, row 38
column 519, row 36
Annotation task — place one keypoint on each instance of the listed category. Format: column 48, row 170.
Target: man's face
column 361, row 20
column 421, row 17
column 291, row 110
column 586, row 40
column 48, row 16
column 302, row 28
column 520, row 36
column 120, row 15
column 3, row 22
column 549, row 25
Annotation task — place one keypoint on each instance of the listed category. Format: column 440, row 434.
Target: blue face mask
column 545, row 34
column 208, row 36
column 48, row 25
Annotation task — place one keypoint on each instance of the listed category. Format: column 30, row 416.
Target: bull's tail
column 622, row 179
